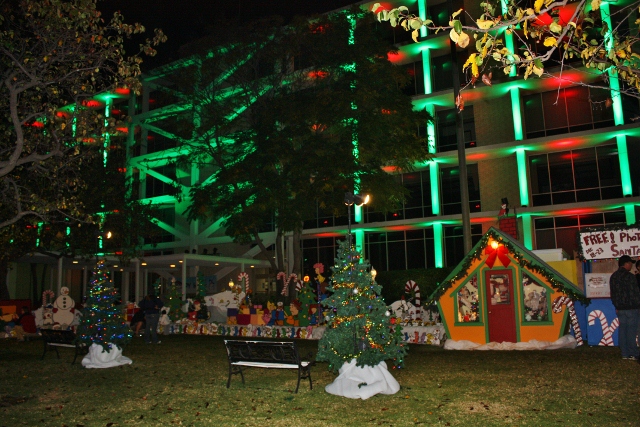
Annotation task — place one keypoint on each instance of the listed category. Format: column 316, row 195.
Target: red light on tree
column 318, row 74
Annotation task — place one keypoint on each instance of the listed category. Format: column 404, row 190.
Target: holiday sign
column 610, row 243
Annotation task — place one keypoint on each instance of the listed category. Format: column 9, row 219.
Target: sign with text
column 596, row 285
column 610, row 243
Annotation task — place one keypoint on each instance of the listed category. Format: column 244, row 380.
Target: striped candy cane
column 298, row 285
column 412, row 288
column 282, row 276
column 244, row 276
column 45, row 294
column 557, row 308
column 607, row 330
column 292, row 276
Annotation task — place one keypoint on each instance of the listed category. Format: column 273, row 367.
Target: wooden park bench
column 54, row 338
column 266, row 354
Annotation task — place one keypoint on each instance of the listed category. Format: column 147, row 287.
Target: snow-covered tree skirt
column 99, row 358
column 363, row 382
column 567, row 341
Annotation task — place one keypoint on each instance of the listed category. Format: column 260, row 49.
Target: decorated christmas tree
column 201, row 287
column 174, row 302
column 102, row 320
column 359, row 323
column 308, row 299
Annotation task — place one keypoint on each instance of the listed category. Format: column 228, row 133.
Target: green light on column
column 517, row 114
column 359, row 235
column 521, row 157
column 438, row 247
column 422, row 13
column 630, row 214
column 434, row 177
column 426, row 70
column 623, row 159
column 527, row 231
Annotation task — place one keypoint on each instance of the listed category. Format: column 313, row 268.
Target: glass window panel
column 567, row 221
column 608, row 165
column 566, row 239
column 396, row 258
column 555, row 110
column 580, row 111
column 544, row 223
column 377, row 255
column 468, row 302
column 415, row 234
column 416, row 254
column 587, row 195
column 534, row 119
column 564, row 197
column 585, row 168
column 617, row 217
column 539, row 170
column 590, row 220
column 545, row 239
column 560, row 171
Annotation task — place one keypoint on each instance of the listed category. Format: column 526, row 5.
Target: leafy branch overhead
column 564, row 30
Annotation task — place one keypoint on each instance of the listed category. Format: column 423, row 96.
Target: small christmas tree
column 359, row 323
column 174, row 302
column 201, row 287
column 103, row 322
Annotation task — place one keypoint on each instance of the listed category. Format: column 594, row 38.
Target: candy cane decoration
column 557, row 308
column 244, row 276
column 292, row 276
column 46, row 293
column 411, row 287
column 607, row 330
column 298, row 285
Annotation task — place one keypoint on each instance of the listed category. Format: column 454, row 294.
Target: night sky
column 186, row 20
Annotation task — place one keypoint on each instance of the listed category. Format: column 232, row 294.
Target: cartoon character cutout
column 64, row 308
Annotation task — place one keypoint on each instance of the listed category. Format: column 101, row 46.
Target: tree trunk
column 4, row 286
column 297, row 253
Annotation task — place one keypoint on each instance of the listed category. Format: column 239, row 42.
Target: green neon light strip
column 614, row 84
column 623, row 159
column 630, row 213
column 107, row 136
column 527, row 231
column 508, row 38
column 434, row 176
column 521, row 157
column 438, row 245
column 517, row 113
column 422, row 13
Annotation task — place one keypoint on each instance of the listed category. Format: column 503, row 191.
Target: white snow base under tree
column 99, row 358
column 358, row 382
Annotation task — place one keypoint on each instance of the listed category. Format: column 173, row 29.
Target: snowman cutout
column 63, row 308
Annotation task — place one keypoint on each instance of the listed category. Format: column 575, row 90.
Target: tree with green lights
column 359, row 322
column 102, row 320
column 299, row 124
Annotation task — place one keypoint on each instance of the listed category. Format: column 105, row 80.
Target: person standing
column 625, row 296
column 151, row 306
column 25, row 324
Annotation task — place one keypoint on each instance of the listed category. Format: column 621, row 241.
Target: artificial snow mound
column 99, row 358
column 357, row 382
column 567, row 341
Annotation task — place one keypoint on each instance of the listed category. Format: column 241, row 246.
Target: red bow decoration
column 501, row 252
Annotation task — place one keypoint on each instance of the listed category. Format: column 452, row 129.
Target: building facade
column 565, row 156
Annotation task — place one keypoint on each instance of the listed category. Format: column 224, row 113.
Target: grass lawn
column 183, row 382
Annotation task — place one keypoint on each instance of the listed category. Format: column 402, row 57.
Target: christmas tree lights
column 103, row 322
column 358, row 321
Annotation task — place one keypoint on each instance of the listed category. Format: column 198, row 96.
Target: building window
column 446, row 124
column 575, row 176
column 416, row 205
column 400, row 250
column 454, row 242
column 166, row 215
column 317, row 250
column 562, row 231
column 155, row 187
column 561, row 111
column 450, row 190
column 415, row 71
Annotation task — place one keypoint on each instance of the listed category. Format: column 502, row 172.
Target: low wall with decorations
column 429, row 335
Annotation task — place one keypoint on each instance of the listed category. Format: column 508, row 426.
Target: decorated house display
column 103, row 328
column 360, row 336
column 502, row 292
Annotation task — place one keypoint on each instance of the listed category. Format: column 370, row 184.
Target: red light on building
column 88, row 140
column 123, row 91
column 390, row 169
column 35, row 124
column 383, row 6
column 91, row 103
column 62, row 114
column 317, row 127
column 122, row 129
column 122, row 170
